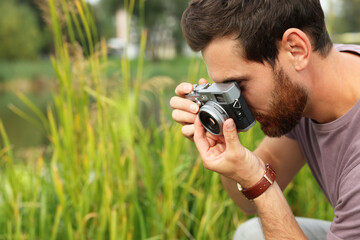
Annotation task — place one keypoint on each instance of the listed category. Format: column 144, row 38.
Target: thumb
column 203, row 81
column 231, row 135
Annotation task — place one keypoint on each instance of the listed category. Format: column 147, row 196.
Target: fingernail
column 230, row 126
column 194, row 108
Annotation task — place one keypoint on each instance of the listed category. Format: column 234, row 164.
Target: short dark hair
column 258, row 24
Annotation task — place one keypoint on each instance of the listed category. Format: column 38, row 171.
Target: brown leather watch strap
column 261, row 186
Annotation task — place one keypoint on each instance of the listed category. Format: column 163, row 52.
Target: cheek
column 258, row 98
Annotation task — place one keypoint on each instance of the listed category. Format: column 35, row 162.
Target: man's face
column 276, row 102
column 285, row 107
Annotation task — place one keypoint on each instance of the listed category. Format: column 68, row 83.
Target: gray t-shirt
column 332, row 151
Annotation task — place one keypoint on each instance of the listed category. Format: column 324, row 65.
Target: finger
column 214, row 139
column 200, row 139
column 184, row 104
column 203, row 81
column 211, row 140
column 231, row 136
column 188, row 131
column 183, row 88
column 183, row 117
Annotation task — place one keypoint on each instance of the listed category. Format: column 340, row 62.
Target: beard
column 286, row 107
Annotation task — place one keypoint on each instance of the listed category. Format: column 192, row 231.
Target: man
column 302, row 90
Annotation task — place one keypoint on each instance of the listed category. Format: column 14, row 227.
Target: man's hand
column 185, row 111
column 226, row 156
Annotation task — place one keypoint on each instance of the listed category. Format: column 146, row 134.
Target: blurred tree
column 175, row 9
column 33, row 4
column 20, row 34
column 161, row 18
column 46, row 34
column 348, row 17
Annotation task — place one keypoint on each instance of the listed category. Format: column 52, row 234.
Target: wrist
column 260, row 186
column 253, row 175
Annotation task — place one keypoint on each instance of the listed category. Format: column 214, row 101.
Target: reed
column 107, row 173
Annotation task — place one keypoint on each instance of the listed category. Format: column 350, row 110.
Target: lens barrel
column 212, row 117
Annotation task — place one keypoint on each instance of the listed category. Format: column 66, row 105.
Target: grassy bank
column 26, row 70
column 37, row 80
column 33, row 70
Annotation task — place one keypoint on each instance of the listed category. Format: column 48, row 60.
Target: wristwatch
column 261, row 186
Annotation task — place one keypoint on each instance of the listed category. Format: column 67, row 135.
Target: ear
column 298, row 46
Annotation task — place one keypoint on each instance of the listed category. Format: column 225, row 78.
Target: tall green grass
column 107, row 173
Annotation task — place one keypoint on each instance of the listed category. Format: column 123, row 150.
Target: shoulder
column 348, row 48
column 300, row 129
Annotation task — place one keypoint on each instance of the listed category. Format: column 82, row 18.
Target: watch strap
column 261, row 186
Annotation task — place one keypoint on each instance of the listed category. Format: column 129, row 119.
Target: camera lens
column 212, row 117
column 209, row 123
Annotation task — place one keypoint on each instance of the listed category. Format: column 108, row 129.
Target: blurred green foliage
column 348, row 19
column 111, row 170
column 20, row 34
column 27, row 70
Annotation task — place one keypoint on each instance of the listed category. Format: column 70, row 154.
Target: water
column 35, row 79
column 23, row 134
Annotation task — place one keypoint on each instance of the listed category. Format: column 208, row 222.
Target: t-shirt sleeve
column 346, row 224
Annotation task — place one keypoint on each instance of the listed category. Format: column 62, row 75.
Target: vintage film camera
column 218, row 102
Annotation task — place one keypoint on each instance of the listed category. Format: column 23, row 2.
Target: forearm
column 277, row 219
column 248, row 207
column 243, row 203
column 270, row 151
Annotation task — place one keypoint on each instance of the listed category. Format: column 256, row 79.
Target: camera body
column 218, row 102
